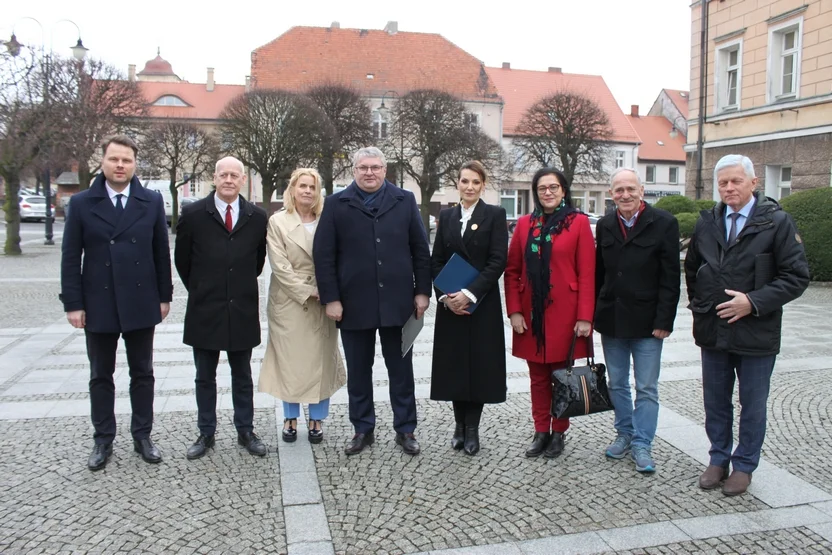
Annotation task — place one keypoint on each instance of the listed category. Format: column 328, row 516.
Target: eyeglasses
column 365, row 169
column 550, row 188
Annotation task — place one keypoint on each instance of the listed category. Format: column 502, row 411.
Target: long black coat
column 126, row 272
column 637, row 279
column 469, row 352
column 374, row 262
column 769, row 237
column 219, row 270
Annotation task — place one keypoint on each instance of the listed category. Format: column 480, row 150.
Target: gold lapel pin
column 474, row 227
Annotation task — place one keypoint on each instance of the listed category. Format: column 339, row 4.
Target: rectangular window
column 472, row 121
column 619, row 159
column 729, row 76
column 673, row 176
column 650, row 175
column 785, row 182
column 508, row 200
column 379, row 125
column 785, row 44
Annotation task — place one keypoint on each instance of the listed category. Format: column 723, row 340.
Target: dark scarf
column 542, row 229
column 624, row 228
column 370, row 200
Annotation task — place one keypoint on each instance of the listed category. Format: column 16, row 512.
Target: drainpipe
column 703, row 91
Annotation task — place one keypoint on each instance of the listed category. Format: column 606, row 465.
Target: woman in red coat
column 550, row 296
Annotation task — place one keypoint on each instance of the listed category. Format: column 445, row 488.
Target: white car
column 33, row 208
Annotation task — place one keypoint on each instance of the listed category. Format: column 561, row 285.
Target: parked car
column 432, row 220
column 593, row 219
column 163, row 188
column 33, row 208
column 185, row 201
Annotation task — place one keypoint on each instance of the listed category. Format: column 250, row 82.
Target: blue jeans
column 719, row 370
column 317, row 411
column 639, row 423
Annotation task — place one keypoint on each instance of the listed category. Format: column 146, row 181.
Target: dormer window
column 170, row 100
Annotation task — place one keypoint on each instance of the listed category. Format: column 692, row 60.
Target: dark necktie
column 732, row 233
column 229, row 224
column 119, row 205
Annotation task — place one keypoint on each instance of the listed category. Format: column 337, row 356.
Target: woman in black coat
column 469, row 354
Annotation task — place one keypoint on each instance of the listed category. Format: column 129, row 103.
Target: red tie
column 229, row 225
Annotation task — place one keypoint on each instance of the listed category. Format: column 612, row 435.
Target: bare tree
column 437, row 138
column 183, row 152
column 99, row 101
column 566, row 129
column 273, row 132
column 351, row 127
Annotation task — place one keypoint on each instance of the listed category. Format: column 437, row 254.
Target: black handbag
column 579, row 390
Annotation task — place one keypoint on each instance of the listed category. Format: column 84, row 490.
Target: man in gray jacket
column 744, row 262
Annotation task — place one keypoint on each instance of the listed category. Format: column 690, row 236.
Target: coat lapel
column 611, row 226
column 135, row 209
column 211, row 208
column 244, row 216
column 455, row 232
column 474, row 223
column 297, row 232
column 644, row 220
column 391, row 196
column 104, row 208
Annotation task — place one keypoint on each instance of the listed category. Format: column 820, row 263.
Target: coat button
column 230, row 300
column 619, row 274
column 378, row 240
column 133, row 240
column 308, row 278
column 379, row 262
column 137, row 262
column 106, row 287
column 112, row 242
column 380, row 284
column 138, row 285
column 107, row 263
column 305, row 309
column 376, row 220
column 231, row 269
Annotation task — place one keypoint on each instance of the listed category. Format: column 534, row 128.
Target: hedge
column 676, row 204
column 705, row 204
column 687, row 221
column 812, row 212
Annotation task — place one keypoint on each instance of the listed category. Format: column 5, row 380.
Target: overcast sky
column 638, row 46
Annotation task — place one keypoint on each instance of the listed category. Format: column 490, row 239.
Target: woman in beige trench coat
column 302, row 362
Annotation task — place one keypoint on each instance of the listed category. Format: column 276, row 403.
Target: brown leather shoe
column 712, row 476
column 737, row 483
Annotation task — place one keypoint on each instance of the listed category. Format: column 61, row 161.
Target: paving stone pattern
column 226, row 502
column 383, row 501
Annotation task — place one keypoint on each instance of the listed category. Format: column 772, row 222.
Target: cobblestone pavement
column 306, row 499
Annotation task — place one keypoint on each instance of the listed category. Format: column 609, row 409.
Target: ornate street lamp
column 674, row 131
column 79, row 51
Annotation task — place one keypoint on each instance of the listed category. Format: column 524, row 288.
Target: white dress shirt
column 125, row 194
column 235, row 209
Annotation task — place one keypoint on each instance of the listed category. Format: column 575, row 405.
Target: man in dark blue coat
column 372, row 264
column 123, row 289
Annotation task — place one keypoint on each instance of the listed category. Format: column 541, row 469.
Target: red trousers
column 540, row 376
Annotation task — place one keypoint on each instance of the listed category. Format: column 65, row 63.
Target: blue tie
column 732, row 233
column 119, row 205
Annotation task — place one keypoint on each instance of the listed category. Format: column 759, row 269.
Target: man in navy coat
column 123, row 288
column 372, row 264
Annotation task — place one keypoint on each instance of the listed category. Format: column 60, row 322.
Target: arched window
column 379, row 125
column 170, row 100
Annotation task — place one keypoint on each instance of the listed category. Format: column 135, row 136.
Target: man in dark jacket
column 744, row 262
column 637, row 281
column 372, row 264
column 220, row 251
column 122, row 289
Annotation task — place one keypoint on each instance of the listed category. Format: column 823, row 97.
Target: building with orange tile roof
column 672, row 105
column 660, row 157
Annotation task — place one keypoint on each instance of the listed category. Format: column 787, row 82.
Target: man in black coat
column 744, row 262
column 372, row 264
column 122, row 289
column 637, row 283
column 220, row 252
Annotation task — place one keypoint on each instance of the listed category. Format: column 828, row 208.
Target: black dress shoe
column 458, row 439
column 555, row 445
column 358, row 442
column 315, row 436
column 290, row 434
column 252, row 443
column 539, row 442
column 149, row 452
column 100, row 453
column 200, row 446
column 408, row 443
column 472, row 440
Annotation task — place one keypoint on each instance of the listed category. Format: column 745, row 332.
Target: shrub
column 676, row 204
column 687, row 221
column 812, row 212
column 705, row 204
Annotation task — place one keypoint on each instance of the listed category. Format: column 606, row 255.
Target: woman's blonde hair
column 289, row 200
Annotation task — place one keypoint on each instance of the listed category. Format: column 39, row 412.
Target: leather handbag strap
column 570, row 362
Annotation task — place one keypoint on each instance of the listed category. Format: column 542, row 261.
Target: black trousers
column 242, row 390
column 360, row 352
column 101, row 350
column 467, row 413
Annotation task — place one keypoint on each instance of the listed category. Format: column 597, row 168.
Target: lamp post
column 79, row 51
column 383, row 109
column 674, row 131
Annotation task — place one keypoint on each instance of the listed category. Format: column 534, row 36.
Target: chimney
column 131, row 72
column 555, row 70
column 634, row 110
column 248, row 83
column 392, row 27
column 209, row 86
column 506, row 65
column 335, row 25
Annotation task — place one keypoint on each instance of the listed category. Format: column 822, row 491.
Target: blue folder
column 455, row 276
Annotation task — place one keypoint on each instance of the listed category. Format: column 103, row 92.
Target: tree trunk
column 12, row 210
column 174, row 196
column 424, row 208
column 84, row 175
column 268, row 191
column 326, row 169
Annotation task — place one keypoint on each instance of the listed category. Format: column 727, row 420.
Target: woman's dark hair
column 475, row 166
column 564, row 183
